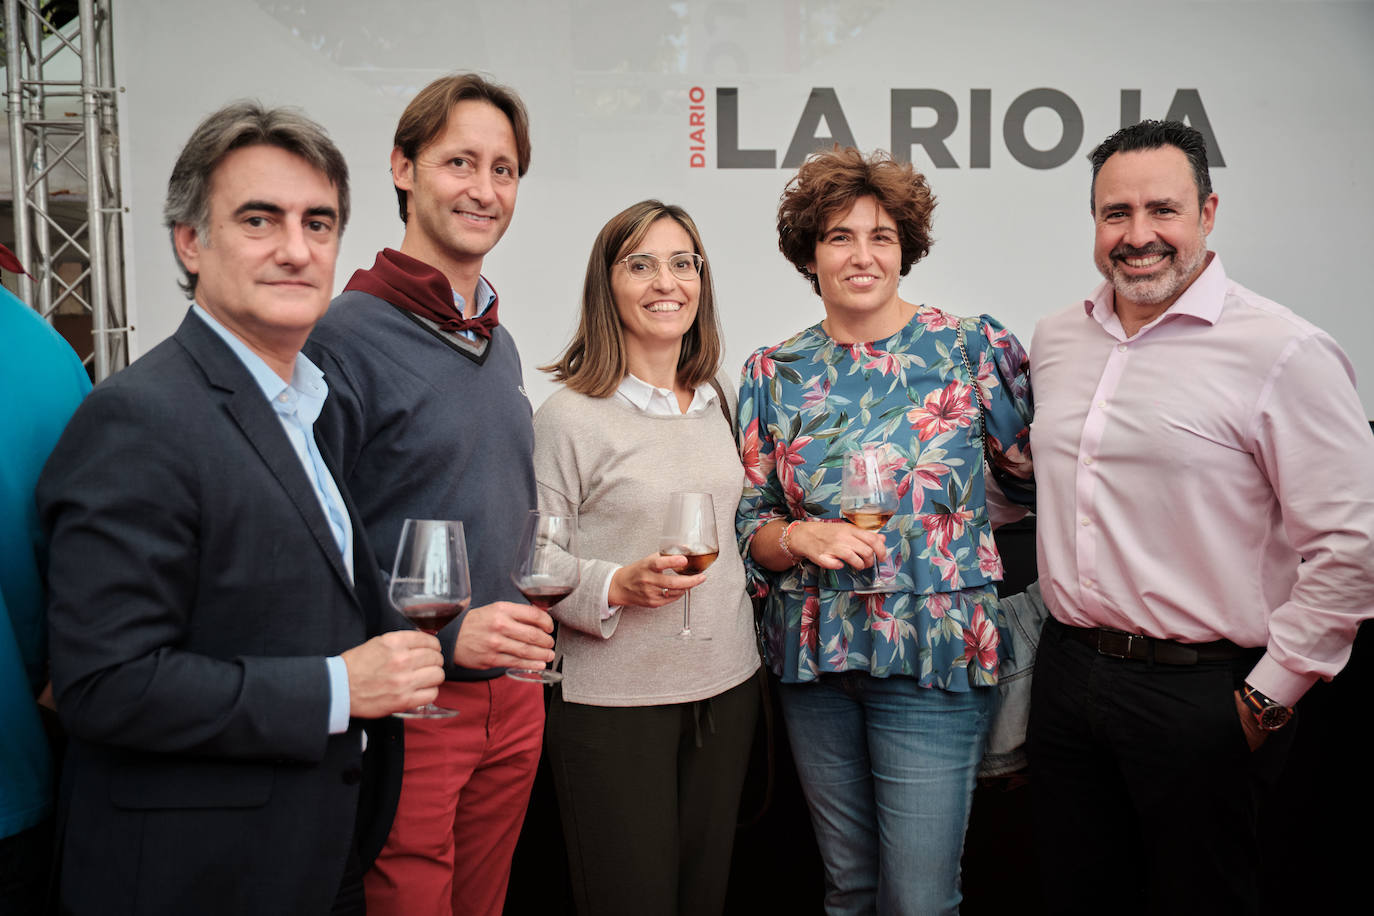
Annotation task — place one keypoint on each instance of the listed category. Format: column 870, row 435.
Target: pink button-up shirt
column 1185, row 472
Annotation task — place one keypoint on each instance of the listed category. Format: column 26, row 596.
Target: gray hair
column 240, row 124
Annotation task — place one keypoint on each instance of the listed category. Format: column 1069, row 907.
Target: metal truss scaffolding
column 50, row 230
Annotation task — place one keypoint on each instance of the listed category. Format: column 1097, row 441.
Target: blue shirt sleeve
column 338, row 694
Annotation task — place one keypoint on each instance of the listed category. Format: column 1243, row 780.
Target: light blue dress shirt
column 484, row 295
column 298, row 405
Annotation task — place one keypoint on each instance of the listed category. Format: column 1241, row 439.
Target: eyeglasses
column 685, row 265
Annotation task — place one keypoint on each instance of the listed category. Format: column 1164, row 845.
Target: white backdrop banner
column 712, row 104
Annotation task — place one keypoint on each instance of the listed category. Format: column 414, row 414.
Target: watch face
column 1274, row 717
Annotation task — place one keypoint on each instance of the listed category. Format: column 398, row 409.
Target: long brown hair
column 594, row 361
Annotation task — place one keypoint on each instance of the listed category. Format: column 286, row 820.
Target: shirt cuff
column 1277, row 682
column 338, row 694
column 607, row 611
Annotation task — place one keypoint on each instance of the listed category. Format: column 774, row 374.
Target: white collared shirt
column 662, row 402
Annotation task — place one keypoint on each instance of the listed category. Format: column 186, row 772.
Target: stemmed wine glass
column 430, row 586
column 690, row 531
column 546, row 570
column 868, row 498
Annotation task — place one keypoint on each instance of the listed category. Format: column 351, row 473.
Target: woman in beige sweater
column 648, row 735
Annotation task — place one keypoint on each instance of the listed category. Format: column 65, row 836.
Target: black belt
column 1119, row 644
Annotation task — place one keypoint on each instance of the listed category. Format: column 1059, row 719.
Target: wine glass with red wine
column 868, row 498
column 430, row 585
column 546, row 570
column 690, row 531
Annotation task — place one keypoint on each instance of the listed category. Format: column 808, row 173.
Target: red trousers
column 463, row 798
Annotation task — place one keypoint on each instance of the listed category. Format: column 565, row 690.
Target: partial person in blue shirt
column 41, row 382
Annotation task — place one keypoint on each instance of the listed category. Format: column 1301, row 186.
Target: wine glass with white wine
column 690, row 531
column 868, row 498
column 430, row 585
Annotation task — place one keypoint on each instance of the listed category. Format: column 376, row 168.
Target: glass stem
column 687, row 612
column 877, row 576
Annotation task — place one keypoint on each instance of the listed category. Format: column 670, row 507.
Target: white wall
column 1288, row 88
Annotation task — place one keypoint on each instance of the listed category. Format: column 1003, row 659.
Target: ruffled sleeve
column 1002, row 369
column 762, row 499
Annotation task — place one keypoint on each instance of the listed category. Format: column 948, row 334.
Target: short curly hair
column 829, row 183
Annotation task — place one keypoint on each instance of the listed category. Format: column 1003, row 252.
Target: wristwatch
column 1270, row 715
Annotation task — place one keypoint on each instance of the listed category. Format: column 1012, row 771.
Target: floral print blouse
column 810, row 399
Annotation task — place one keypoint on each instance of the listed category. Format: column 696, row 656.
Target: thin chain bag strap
column 978, row 396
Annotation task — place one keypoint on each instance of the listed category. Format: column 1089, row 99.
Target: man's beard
column 1156, row 288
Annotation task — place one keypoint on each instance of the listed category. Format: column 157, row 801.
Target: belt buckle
column 1116, row 644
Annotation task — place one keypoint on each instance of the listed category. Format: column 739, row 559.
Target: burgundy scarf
column 416, row 287
column 12, row 264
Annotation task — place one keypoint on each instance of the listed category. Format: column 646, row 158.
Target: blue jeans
column 888, row 769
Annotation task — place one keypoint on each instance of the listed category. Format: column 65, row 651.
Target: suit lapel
column 245, row 403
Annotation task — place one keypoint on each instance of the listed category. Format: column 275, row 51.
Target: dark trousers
column 1144, row 792
column 26, row 870
column 649, row 797
column 350, row 900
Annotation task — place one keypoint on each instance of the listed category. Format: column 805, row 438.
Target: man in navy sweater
column 428, row 418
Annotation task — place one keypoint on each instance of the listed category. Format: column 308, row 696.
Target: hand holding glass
column 546, row 571
column 868, row 498
column 690, row 531
column 429, row 585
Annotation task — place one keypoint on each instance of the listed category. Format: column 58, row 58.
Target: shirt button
column 1088, row 583
column 1102, row 404
column 1121, row 348
column 1084, row 522
column 1087, row 460
column 282, row 397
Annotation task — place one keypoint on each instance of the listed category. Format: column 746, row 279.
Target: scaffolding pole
column 88, row 147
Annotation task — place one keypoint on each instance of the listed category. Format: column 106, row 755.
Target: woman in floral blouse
column 887, row 696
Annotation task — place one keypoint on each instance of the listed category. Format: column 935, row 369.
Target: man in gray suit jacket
column 212, row 594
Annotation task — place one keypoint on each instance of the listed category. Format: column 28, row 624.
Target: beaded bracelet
column 782, row 543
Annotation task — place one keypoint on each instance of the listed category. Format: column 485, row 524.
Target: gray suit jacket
column 195, row 589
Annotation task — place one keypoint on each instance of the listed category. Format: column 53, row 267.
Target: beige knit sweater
column 614, row 466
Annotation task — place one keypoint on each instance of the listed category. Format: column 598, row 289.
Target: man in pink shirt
column 1206, row 546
